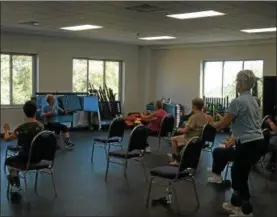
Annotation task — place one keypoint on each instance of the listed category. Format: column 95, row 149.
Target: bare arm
column 149, row 116
column 9, row 136
column 224, row 122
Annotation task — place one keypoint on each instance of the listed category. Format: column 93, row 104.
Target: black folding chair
column 135, row 150
column 166, row 130
column 186, row 170
column 42, row 151
column 262, row 162
column 208, row 138
column 115, row 137
column 264, row 124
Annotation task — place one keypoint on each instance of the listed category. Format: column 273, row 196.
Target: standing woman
column 243, row 113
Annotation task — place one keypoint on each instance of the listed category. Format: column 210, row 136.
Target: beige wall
column 149, row 72
column 55, row 65
column 177, row 69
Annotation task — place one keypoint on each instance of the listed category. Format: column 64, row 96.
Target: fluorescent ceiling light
column 272, row 29
column 81, row 27
column 194, row 15
column 157, row 38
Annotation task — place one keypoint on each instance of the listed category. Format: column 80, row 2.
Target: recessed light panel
column 81, row 27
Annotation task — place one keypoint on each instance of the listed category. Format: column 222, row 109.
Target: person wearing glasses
column 243, row 115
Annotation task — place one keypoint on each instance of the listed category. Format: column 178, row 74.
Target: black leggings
column 221, row 156
column 246, row 156
column 57, row 127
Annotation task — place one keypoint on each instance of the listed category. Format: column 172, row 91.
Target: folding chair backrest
column 138, row 138
column 208, row 134
column 264, row 124
column 117, row 128
column 167, row 125
column 43, row 147
column 266, row 133
column 190, row 154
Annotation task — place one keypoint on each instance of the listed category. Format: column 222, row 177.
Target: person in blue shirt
column 243, row 115
column 49, row 113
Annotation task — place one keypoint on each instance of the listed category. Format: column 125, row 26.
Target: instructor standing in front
column 243, row 115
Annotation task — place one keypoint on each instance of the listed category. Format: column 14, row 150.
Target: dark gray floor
column 82, row 190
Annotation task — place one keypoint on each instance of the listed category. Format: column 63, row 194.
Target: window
column 17, row 78
column 97, row 73
column 219, row 77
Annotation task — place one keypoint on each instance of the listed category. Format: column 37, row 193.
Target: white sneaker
column 230, row 208
column 238, row 212
column 170, row 156
column 148, row 149
column 215, row 179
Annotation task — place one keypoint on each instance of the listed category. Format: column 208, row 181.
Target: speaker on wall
column 269, row 95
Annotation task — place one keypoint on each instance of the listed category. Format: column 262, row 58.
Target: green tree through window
column 97, row 73
column 222, row 74
column 16, row 79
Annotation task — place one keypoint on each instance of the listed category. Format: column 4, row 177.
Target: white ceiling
column 123, row 25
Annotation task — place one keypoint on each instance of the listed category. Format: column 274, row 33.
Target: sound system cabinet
column 269, row 95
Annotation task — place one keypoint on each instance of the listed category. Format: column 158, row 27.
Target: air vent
column 144, row 8
column 30, row 23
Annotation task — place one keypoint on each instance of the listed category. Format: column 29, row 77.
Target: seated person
column 272, row 146
column 221, row 156
column 25, row 134
column 49, row 113
column 208, row 116
column 193, row 127
column 155, row 119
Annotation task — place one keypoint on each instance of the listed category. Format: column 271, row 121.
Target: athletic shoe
column 148, row 149
column 215, row 179
column 170, row 156
column 14, row 182
column 68, row 144
column 239, row 212
column 230, row 208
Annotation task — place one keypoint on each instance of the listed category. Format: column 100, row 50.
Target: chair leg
column 92, row 152
column 4, row 165
column 107, row 145
column 159, row 146
column 54, row 185
column 26, row 189
column 8, row 189
column 125, row 168
column 107, row 168
column 226, row 172
column 195, row 191
column 149, row 191
column 144, row 169
column 175, row 197
column 36, row 181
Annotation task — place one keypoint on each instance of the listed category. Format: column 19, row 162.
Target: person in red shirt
column 155, row 119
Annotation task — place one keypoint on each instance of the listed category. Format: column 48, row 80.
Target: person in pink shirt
column 155, row 118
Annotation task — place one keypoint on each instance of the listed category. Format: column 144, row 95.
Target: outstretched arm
column 151, row 116
column 7, row 134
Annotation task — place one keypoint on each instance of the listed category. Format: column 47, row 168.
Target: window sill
column 11, row 106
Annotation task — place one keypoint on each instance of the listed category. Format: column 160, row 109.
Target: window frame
column 223, row 64
column 34, row 76
column 120, row 76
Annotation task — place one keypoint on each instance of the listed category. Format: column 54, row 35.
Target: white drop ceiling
column 125, row 26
